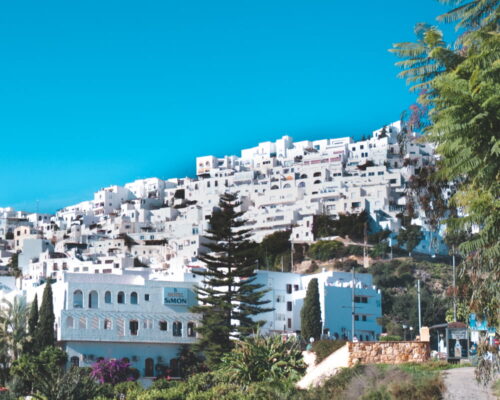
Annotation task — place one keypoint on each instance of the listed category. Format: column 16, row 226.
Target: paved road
column 461, row 385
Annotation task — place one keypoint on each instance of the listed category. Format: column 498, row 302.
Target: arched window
column 93, row 299
column 274, row 187
column 77, row 299
column 317, row 174
column 163, row 325
column 302, row 184
column 74, row 361
column 317, row 182
column 133, row 298
column 120, row 299
column 107, row 297
column 70, row 322
column 107, row 324
column 190, row 329
column 177, row 328
column 149, row 365
column 303, row 176
column 286, row 186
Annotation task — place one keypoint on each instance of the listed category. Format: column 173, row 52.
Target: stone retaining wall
column 388, row 352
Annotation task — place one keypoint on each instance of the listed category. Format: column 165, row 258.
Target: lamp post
column 404, row 331
column 411, row 332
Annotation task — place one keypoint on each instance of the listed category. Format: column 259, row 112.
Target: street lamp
column 404, row 330
column 411, row 332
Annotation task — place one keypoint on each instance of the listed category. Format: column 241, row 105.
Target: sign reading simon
column 175, row 296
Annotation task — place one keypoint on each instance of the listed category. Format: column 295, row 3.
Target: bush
column 326, row 250
column 112, row 371
column 323, row 348
column 130, row 389
column 263, row 358
column 223, row 391
column 390, row 338
column 177, row 392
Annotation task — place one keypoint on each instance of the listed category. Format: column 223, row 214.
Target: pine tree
column 229, row 296
column 310, row 315
column 32, row 325
column 44, row 334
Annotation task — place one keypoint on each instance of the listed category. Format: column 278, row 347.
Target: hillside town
column 123, row 265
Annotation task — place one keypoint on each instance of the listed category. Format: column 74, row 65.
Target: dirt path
column 461, row 385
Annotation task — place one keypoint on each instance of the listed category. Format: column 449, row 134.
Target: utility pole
column 419, row 308
column 454, row 286
column 353, row 306
column 291, row 256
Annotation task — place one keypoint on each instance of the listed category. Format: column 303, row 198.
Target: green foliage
column 397, row 280
column 13, row 337
column 310, row 314
column 323, row 348
column 410, row 237
column 44, row 374
column 229, row 295
column 390, row 338
column 351, row 225
column 463, row 99
column 326, row 250
column 272, row 248
column 263, row 358
column 45, row 333
column 129, row 389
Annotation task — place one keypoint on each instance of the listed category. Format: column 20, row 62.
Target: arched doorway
column 149, row 367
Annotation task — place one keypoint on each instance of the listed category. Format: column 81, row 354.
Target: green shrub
column 390, row 338
column 323, row 348
column 263, row 358
column 326, row 250
column 177, row 392
column 162, row 383
column 130, row 389
column 223, row 391
column 353, row 250
column 418, row 389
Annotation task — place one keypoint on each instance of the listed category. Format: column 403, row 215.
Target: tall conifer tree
column 228, row 296
column 32, row 325
column 45, row 335
column 310, row 314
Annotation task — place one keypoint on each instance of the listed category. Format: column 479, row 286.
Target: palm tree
column 472, row 15
column 13, row 324
column 424, row 59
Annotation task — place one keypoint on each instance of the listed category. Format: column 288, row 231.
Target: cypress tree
column 228, row 297
column 32, row 325
column 310, row 314
column 44, row 334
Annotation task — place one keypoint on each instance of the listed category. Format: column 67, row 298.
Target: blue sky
column 95, row 93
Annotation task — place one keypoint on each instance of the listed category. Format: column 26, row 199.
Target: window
column 93, row 299
column 177, row 328
column 190, row 329
column 74, row 361
column 107, row 297
column 163, row 325
column 69, row 322
column 77, row 299
column 120, row 298
column 133, row 298
column 289, row 306
column 134, row 327
column 107, row 324
column 146, row 297
column 363, row 318
column 289, row 323
column 356, row 317
column 289, row 288
column 296, row 287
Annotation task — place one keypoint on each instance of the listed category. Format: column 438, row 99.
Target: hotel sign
column 175, row 296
